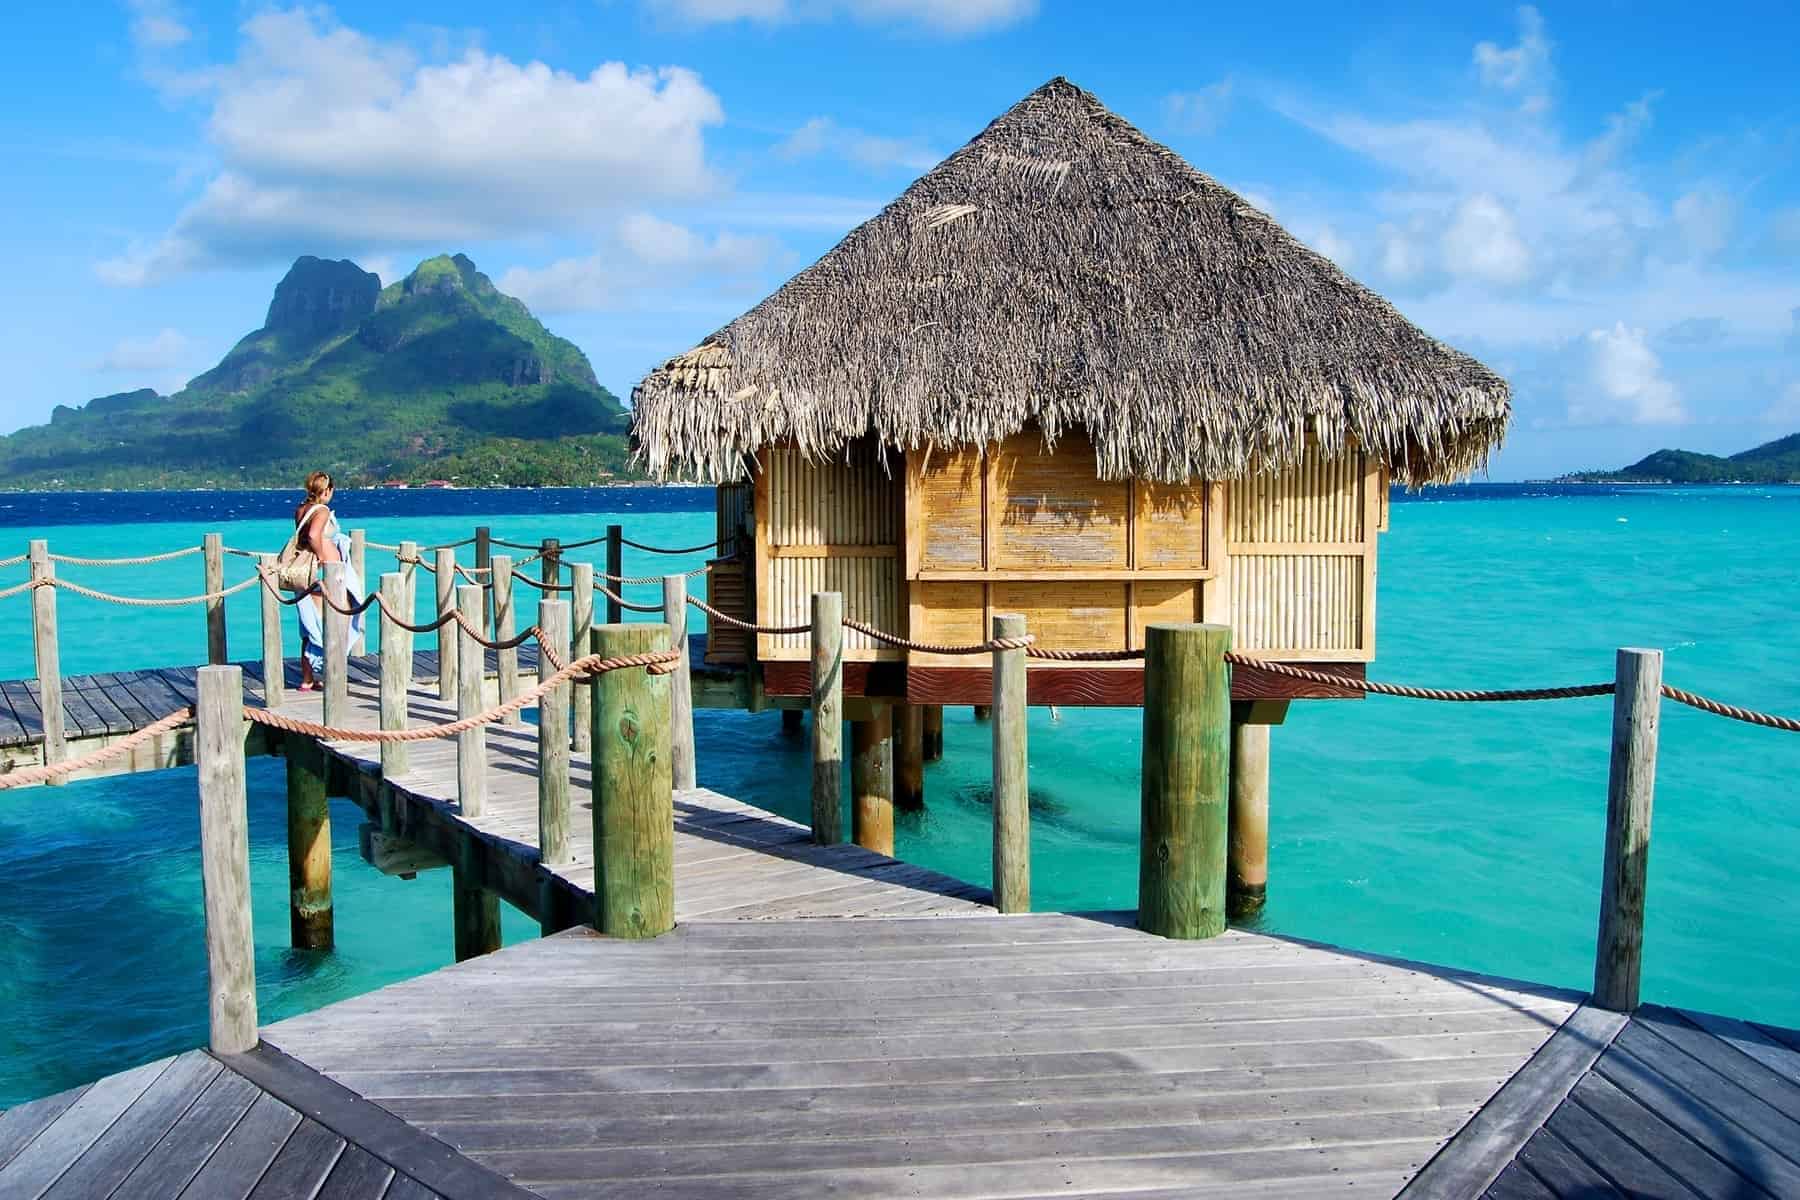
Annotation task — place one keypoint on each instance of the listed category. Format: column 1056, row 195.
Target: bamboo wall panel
column 952, row 511
column 949, row 614
column 1068, row 614
column 1163, row 600
column 1298, row 606
column 1321, row 500
column 836, row 503
column 1048, row 512
column 871, row 589
column 1169, row 529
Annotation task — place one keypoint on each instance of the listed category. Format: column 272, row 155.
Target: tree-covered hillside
column 1772, row 462
column 437, row 376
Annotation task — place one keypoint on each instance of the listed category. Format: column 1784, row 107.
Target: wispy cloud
column 953, row 18
column 159, row 351
column 639, row 265
column 824, row 136
column 1201, row 111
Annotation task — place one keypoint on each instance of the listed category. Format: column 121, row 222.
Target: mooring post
column 1630, row 788
column 212, row 554
column 407, row 560
column 827, row 718
column 934, row 732
column 872, row 782
column 396, row 661
column 634, row 801
column 553, row 738
column 550, row 558
column 505, row 625
column 225, row 860
column 48, row 653
column 310, row 917
column 471, row 667
column 615, row 568
column 1247, row 854
column 359, row 555
column 273, row 665
column 475, row 911
column 337, row 647
column 448, row 639
column 909, row 756
column 1186, row 766
column 1012, row 792
column 581, row 636
column 681, row 687
column 484, row 559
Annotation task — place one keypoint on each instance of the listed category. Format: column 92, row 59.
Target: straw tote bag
column 294, row 567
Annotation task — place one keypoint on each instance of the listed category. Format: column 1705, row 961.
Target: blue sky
column 1600, row 201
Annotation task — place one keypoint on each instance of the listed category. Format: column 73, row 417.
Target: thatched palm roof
column 1065, row 269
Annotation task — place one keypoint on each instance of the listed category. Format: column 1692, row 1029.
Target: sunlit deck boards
column 988, row 1056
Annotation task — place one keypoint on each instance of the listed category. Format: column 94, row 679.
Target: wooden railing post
column 1247, row 853
column 359, row 555
column 337, row 647
column 484, row 558
column 550, row 561
column 615, row 567
column 212, row 553
column 505, row 625
column 1630, row 788
column 471, row 667
column 827, row 717
column 407, row 558
column 934, row 732
column 311, row 919
column 225, row 861
column 681, row 686
column 396, row 674
column 553, row 738
column 872, row 782
column 909, row 756
column 581, row 636
column 274, row 666
column 1187, row 720
column 634, row 803
column 449, row 641
column 48, row 653
column 1012, row 803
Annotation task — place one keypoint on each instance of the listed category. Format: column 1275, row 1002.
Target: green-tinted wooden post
column 581, row 636
column 827, row 717
column 1012, row 792
column 213, row 553
column 311, row 921
column 1186, row 769
column 475, row 910
column 1630, row 788
column 615, row 567
column 634, row 799
column 448, row 640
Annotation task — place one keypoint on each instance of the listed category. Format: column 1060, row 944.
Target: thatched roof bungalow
column 1065, row 373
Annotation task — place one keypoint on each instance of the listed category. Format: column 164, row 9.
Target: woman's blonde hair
column 317, row 484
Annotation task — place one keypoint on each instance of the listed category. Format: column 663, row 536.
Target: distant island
column 1772, row 462
column 438, row 378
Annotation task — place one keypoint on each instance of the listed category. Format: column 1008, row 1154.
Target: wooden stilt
column 225, row 861
column 310, row 916
column 909, row 756
column 934, row 732
column 1247, row 856
column 872, row 782
column 827, row 718
column 475, row 910
column 1186, row 767
column 1630, row 788
column 1012, row 791
column 634, row 801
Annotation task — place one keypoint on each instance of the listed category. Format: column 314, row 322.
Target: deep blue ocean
column 1468, row 835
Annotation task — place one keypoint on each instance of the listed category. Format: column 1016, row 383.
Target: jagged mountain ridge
column 438, row 375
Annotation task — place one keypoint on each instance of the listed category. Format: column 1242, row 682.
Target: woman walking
column 316, row 527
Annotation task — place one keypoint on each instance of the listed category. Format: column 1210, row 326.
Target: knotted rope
column 737, row 623
column 14, row 561
column 140, row 560
column 27, row 586
column 93, row 758
column 146, row 601
column 1022, row 642
column 1720, row 709
column 475, row 632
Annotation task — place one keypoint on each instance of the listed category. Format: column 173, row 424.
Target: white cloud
column 157, row 352
column 644, row 257
column 1704, row 219
column 156, row 25
column 823, row 136
column 330, row 141
column 1623, row 383
column 950, row 17
column 1333, row 245
column 1522, row 70
column 1483, row 242
column 1199, row 111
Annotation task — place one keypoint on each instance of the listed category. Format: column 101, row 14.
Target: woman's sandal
column 307, row 687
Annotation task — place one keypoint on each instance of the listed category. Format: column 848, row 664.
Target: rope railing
column 395, row 549
column 540, row 585
column 987, row 647
column 94, row 758
column 69, row 585
column 702, row 569
column 738, row 622
column 1501, row 695
column 14, row 561
column 622, row 602
column 712, row 545
column 139, row 561
column 1719, row 708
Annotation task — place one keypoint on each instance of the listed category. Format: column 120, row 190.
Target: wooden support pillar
column 484, row 559
column 1247, row 856
column 553, row 741
column 448, row 640
column 475, row 911
column 1012, row 791
column 634, row 802
column 981, row 712
column 872, row 782
column 337, row 646
column 581, row 636
column 550, row 561
column 212, row 552
column 909, row 756
column 48, row 653
column 407, row 558
column 359, row 557
column 1186, row 768
column 505, row 625
column 792, row 721
column 1630, row 788
column 471, row 667
column 615, row 568
column 934, row 732
column 310, row 917
column 274, row 666
column 681, row 686
column 225, row 861
column 396, row 673
column 827, row 717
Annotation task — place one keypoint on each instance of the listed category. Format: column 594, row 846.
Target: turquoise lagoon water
column 1458, row 834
